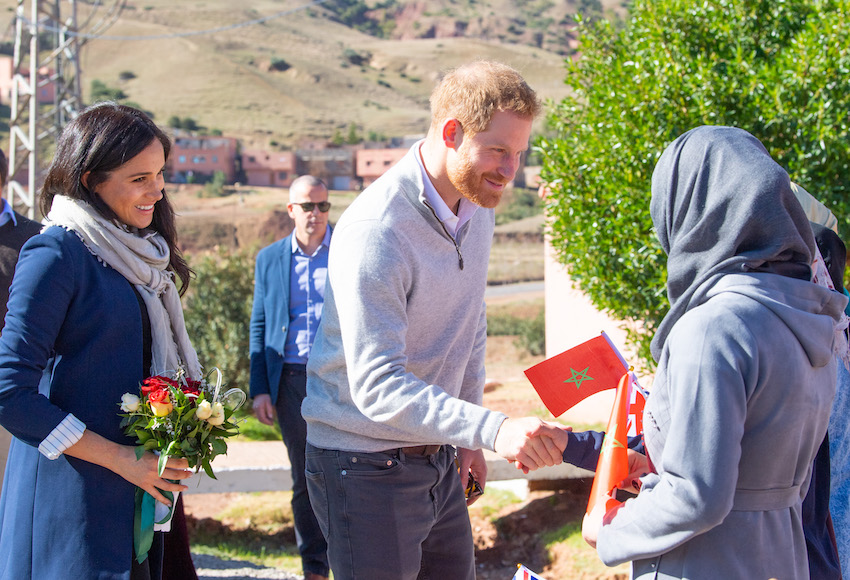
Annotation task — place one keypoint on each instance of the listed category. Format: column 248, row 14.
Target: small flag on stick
column 524, row 573
column 613, row 465
column 568, row 378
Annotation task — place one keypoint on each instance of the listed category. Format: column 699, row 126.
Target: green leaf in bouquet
column 150, row 445
column 142, row 436
column 219, row 446
column 140, row 450
column 208, row 468
column 163, row 459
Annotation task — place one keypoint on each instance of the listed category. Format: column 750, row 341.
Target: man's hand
column 263, row 409
column 531, row 443
column 472, row 460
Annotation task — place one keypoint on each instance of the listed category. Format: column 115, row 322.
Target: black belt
column 421, row 449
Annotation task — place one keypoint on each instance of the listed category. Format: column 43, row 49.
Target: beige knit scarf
column 142, row 258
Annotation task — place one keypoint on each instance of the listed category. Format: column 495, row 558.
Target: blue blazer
column 72, row 344
column 270, row 316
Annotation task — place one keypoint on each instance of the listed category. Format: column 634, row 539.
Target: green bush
column 101, row 92
column 530, row 332
column 523, row 203
column 777, row 69
column 215, row 186
column 218, row 313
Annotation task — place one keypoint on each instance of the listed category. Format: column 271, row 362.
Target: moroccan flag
column 524, row 573
column 567, row 378
column 613, row 465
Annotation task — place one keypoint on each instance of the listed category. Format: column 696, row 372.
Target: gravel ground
column 212, row 568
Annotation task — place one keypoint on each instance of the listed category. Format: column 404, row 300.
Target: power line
column 89, row 36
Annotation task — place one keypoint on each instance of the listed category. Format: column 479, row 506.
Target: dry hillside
column 301, row 74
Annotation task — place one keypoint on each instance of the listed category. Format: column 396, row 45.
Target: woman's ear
column 85, row 179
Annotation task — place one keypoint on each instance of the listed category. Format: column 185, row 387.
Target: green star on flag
column 579, row 377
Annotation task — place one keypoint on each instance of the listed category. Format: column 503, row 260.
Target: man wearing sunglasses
column 289, row 293
column 396, row 377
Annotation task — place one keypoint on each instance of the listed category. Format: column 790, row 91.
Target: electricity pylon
column 45, row 90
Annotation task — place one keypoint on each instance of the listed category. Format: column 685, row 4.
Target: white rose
column 129, row 403
column 204, row 410
column 217, row 417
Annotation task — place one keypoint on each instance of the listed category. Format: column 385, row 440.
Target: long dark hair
column 100, row 140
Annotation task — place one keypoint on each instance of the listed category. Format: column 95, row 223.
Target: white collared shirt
column 453, row 222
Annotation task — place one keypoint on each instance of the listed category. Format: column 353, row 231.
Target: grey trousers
column 391, row 516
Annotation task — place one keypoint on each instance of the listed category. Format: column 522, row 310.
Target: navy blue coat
column 72, row 343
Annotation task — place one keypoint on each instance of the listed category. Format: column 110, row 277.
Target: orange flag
column 613, row 465
column 569, row 377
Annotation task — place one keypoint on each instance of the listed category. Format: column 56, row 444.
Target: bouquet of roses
column 179, row 417
column 175, row 416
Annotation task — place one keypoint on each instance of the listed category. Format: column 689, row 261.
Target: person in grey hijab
column 745, row 378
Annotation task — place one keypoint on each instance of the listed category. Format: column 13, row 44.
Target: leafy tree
column 190, row 124
column 353, row 137
column 175, row 122
column 373, row 18
column 777, row 69
column 218, row 313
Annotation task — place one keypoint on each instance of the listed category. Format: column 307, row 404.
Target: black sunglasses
column 324, row 206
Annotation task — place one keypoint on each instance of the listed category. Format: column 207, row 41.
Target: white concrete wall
column 570, row 320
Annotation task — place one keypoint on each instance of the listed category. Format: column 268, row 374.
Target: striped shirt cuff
column 66, row 434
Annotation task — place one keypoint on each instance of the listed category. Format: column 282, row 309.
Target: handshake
column 530, row 443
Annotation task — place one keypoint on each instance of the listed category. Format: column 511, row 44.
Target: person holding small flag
column 746, row 373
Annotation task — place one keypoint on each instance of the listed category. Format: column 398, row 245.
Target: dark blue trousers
column 311, row 543
column 391, row 516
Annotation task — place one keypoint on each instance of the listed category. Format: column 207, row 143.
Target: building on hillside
column 197, row 159
column 45, row 86
column 334, row 166
column 268, row 168
column 372, row 163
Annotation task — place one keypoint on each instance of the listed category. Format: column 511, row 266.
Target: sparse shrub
column 530, row 332
column 101, row 92
column 356, row 58
column 215, row 186
column 126, row 75
column 279, row 64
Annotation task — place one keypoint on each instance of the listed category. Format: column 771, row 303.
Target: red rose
column 160, row 402
column 192, row 387
column 157, row 383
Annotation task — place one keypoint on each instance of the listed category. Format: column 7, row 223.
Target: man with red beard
column 396, row 375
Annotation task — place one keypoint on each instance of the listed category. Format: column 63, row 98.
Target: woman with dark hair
column 94, row 309
column 746, row 372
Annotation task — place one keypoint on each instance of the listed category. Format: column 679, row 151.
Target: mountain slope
column 304, row 75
